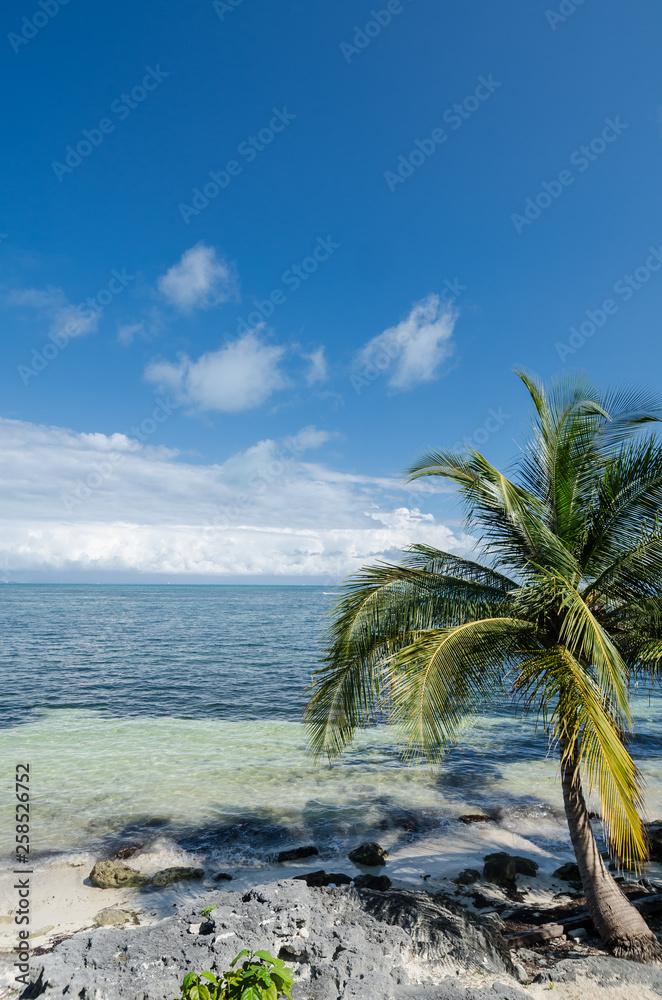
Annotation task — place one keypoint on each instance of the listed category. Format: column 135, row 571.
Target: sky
column 255, row 258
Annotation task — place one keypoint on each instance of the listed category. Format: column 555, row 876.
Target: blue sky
column 421, row 196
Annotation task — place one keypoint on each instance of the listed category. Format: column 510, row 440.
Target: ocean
column 173, row 715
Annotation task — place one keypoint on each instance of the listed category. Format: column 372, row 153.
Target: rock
column 356, row 946
column 222, row 877
column 313, row 879
column 579, row 934
column 297, row 854
column 321, row 878
column 194, row 928
column 500, row 869
column 600, row 972
column 523, row 866
column 466, row 877
column 369, row 855
column 475, row 818
column 113, row 916
column 338, row 878
column 521, row 975
column 128, row 851
column 568, row 873
column 654, row 832
column 380, row 883
column 170, row 875
column 111, row 875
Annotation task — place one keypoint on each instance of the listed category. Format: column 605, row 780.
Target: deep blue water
column 223, row 652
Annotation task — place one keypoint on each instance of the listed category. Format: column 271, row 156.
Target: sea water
column 174, row 713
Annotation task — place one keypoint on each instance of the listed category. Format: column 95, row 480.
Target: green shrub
column 207, row 910
column 260, row 977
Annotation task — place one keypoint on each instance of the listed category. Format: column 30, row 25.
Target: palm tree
column 569, row 607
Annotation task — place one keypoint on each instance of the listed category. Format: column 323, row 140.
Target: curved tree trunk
column 619, row 924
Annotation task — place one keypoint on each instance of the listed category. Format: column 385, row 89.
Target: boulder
column 475, row 818
column 297, row 854
column 523, row 866
column 500, row 869
column 379, row 883
column 568, row 873
column 222, row 877
column 170, row 875
column 369, row 855
column 114, row 875
column 466, row 877
column 321, row 878
column 313, row 879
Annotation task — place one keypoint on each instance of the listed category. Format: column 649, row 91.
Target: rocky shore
column 343, row 943
column 508, row 923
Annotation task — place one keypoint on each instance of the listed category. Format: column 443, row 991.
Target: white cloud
column 239, row 376
column 199, row 280
column 65, row 318
column 127, row 331
column 413, row 351
column 84, row 503
column 319, row 369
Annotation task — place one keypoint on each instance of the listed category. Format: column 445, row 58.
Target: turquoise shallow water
column 173, row 713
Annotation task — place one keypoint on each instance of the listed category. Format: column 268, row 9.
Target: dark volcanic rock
column 369, row 855
column 500, row 869
column 380, row 883
column 475, row 818
column 321, row 878
column 112, row 875
column 523, row 866
column 222, row 877
column 466, row 877
column 338, row 878
column 568, row 873
column 343, row 944
column 654, row 831
column 297, row 854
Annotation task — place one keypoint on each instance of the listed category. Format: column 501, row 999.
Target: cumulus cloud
column 100, row 503
column 200, row 280
column 239, row 376
column 318, row 370
column 52, row 303
column 413, row 351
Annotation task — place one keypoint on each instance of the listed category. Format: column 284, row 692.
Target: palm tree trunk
column 619, row 924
